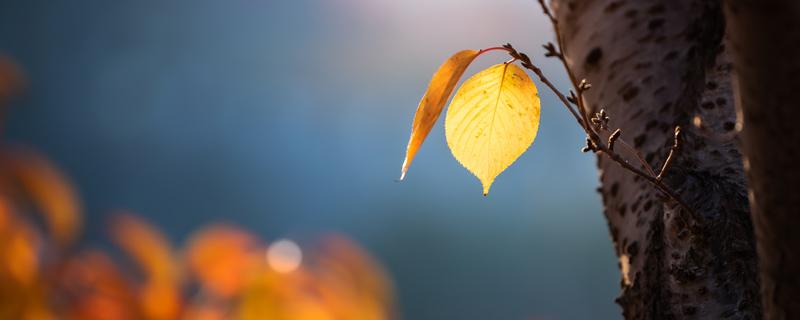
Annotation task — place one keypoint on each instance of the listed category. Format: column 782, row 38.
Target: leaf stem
column 482, row 51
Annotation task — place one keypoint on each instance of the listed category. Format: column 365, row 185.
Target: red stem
column 482, row 51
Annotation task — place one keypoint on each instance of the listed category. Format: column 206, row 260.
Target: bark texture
column 765, row 47
column 655, row 64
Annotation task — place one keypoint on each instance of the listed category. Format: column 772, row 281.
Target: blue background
column 292, row 117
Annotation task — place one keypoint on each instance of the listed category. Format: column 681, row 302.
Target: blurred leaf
column 100, row 307
column 147, row 246
column 432, row 103
column 492, row 120
column 351, row 284
column 6, row 215
column 160, row 295
column 11, row 78
column 49, row 190
column 263, row 298
column 98, row 288
column 22, row 290
column 22, row 259
column 204, row 311
column 160, row 300
column 344, row 283
column 222, row 257
column 41, row 278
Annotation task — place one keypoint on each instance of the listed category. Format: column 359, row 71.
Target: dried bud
column 572, row 98
column 601, row 119
column 613, row 139
column 678, row 137
column 550, row 50
column 584, row 85
column 590, row 146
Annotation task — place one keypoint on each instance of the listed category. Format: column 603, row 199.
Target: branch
column 600, row 121
column 526, row 62
column 638, row 156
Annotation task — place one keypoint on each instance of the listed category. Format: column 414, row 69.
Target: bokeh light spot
column 284, row 256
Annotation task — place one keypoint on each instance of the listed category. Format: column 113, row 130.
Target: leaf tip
column 486, row 187
column 403, row 170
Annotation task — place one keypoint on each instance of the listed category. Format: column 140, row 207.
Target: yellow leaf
column 432, row 103
column 492, row 120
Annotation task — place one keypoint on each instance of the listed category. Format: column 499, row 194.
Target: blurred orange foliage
column 222, row 272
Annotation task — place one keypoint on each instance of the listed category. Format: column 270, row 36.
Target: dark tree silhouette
column 656, row 64
column 764, row 38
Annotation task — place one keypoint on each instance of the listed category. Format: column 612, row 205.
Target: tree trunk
column 655, row 64
column 765, row 47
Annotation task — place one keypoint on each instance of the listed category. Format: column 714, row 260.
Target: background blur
column 292, row 117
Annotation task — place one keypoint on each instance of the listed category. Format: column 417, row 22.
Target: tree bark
column 765, row 47
column 655, row 64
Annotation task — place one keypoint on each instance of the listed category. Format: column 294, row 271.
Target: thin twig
column 657, row 183
column 579, row 89
column 638, row 156
column 526, row 62
column 600, row 120
column 561, row 96
column 546, row 11
column 612, row 139
column 596, row 144
column 593, row 141
column 676, row 144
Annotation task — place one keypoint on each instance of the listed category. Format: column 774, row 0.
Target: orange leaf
column 95, row 271
column 351, row 283
column 11, row 78
column 222, row 257
column 204, row 311
column 98, row 289
column 160, row 301
column 5, row 214
column 147, row 246
column 50, row 191
column 20, row 250
column 432, row 103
